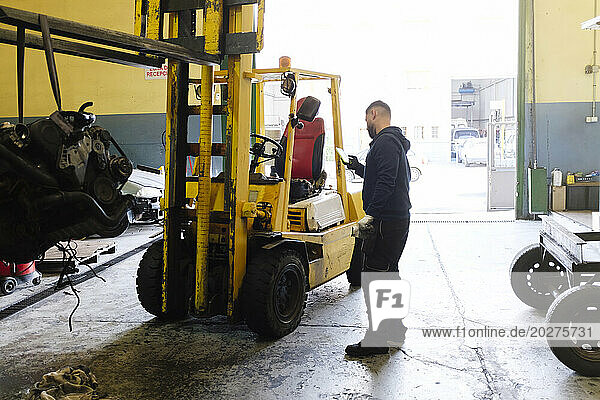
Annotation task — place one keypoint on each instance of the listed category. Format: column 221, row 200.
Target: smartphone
column 343, row 155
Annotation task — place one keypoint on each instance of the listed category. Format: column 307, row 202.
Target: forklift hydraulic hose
column 21, row 167
column 62, row 199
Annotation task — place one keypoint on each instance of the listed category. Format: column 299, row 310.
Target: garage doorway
column 476, row 169
column 433, row 45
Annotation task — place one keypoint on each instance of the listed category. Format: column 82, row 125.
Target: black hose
column 23, row 168
column 68, row 199
column 81, row 229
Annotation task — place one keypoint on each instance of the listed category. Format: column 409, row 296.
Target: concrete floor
column 464, row 189
column 458, row 273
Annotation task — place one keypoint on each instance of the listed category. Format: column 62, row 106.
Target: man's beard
column 371, row 130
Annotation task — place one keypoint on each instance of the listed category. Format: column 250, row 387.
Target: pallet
column 87, row 253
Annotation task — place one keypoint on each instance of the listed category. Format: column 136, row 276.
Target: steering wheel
column 258, row 150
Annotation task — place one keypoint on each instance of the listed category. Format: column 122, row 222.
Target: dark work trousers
column 382, row 253
column 383, row 250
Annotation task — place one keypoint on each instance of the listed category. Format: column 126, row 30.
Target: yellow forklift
column 246, row 243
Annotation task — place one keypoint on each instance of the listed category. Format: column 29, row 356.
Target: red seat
column 307, row 160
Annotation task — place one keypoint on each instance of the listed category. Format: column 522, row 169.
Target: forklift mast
column 227, row 31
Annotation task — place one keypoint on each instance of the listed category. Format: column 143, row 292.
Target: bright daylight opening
column 447, row 82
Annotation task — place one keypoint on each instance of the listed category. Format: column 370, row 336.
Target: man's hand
column 354, row 163
column 364, row 228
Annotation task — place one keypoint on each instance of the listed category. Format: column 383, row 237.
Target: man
column 386, row 202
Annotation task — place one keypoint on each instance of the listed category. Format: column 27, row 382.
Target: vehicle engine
column 58, row 181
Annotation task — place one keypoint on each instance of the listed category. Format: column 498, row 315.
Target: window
column 419, row 132
column 465, row 133
column 434, row 132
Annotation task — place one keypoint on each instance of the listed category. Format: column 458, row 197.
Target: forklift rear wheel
column 149, row 286
column 575, row 307
column 274, row 293
column 8, row 285
column 533, row 279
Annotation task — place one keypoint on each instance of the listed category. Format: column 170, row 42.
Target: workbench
column 577, row 196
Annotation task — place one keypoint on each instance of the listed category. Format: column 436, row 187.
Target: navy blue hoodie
column 387, row 176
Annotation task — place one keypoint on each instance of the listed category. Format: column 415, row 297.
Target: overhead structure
column 150, row 52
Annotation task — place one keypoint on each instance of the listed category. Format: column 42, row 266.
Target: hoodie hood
column 397, row 132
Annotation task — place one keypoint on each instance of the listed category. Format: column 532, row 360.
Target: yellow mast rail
column 239, row 90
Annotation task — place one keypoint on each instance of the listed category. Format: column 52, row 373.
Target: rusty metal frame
column 83, row 50
column 106, row 37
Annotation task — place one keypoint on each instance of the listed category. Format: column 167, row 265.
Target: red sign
column 156, row 73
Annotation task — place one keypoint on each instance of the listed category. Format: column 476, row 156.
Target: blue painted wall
column 564, row 139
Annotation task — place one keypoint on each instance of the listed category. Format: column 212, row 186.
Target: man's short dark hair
column 380, row 104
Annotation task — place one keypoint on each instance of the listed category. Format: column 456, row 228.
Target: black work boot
column 391, row 333
column 357, row 350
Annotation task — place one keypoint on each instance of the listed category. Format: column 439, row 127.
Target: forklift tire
column 526, row 284
column 356, row 264
column 578, row 305
column 149, row 286
column 8, row 285
column 274, row 292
